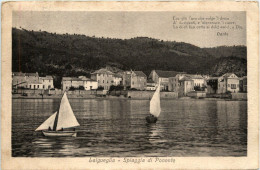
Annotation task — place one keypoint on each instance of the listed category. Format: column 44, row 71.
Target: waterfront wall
column 149, row 94
column 57, row 93
column 197, row 94
column 222, row 96
column 239, row 96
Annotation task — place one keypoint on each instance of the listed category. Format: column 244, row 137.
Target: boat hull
column 151, row 119
column 59, row 133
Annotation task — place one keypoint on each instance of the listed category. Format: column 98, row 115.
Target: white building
column 198, row 80
column 77, row 82
column 151, row 85
column 31, row 81
column 47, row 82
column 117, row 80
column 229, row 82
column 89, row 84
column 106, row 78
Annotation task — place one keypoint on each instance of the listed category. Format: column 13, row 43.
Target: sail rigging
column 155, row 105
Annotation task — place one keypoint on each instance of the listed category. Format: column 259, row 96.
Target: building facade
column 19, row 80
column 229, row 82
column 47, row 82
column 174, row 82
column 186, row 86
column 150, row 85
column 199, row 81
column 78, row 82
column 90, row 85
column 138, row 80
column 163, row 77
column 71, row 82
column 127, row 79
column 118, row 80
column 31, row 81
column 106, row 78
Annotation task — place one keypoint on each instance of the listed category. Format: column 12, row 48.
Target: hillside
column 226, row 51
column 230, row 64
column 73, row 55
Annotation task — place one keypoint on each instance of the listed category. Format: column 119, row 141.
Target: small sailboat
column 155, row 107
column 62, row 122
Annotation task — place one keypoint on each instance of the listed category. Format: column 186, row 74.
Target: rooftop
column 167, row 74
column 228, row 75
column 71, row 79
column 102, row 71
column 47, row 78
column 139, row 73
column 25, row 74
column 186, row 78
column 196, row 76
column 80, row 78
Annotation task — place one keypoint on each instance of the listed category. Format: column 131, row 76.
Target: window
column 228, row 85
column 34, row 86
column 90, row 87
column 43, row 86
column 233, row 86
column 103, row 81
column 38, row 86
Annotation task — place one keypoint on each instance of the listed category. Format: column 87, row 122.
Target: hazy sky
column 132, row 24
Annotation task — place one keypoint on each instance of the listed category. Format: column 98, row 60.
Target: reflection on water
column 118, row 128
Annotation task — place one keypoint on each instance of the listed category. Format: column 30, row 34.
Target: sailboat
column 155, row 107
column 62, row 122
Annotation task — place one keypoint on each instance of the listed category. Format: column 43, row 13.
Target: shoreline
column 122, row 98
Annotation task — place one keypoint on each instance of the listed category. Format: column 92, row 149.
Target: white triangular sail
column 66, row 117
column 155, row 104
column 48, row 123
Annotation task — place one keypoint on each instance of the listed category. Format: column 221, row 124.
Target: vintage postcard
column 127, row 85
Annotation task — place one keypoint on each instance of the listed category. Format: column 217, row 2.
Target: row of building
column 31, row 81
column 169, row 80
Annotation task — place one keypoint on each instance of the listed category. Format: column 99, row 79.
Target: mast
column 55, row 121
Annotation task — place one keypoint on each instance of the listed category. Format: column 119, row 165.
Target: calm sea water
column 118, row 128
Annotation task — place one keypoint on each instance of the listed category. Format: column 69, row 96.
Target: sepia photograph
column 113, row 85
column 125, row 84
